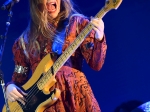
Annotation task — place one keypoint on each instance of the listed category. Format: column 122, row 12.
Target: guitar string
column 18, row 106
column 32, row 93
column 35, row 90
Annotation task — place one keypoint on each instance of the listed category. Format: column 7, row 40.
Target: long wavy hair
column 41, row 22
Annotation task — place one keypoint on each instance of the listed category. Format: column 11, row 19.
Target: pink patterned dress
column 76, row 93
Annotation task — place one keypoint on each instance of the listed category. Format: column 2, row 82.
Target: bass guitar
column 39, row 97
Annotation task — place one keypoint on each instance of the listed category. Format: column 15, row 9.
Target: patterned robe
column 76, row 93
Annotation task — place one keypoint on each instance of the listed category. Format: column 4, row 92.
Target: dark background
column 124, row 80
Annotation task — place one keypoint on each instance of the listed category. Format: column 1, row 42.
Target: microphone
column 8, row 4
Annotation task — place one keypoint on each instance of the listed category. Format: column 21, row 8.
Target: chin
column 54, row 16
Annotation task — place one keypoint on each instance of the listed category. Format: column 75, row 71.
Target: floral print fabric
column 76, row 93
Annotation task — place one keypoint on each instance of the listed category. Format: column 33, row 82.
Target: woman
column 53, row 27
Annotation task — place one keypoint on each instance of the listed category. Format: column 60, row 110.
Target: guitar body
column 36, row 94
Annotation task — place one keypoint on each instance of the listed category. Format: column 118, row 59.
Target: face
column 53, row 7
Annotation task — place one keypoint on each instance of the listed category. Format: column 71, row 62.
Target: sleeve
column 22, row 68
column 93, row 51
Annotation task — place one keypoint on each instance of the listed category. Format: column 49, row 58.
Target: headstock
column 112, row 4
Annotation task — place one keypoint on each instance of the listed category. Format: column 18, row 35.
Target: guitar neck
column 80, row 38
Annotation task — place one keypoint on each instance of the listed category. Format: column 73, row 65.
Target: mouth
column 51, row 6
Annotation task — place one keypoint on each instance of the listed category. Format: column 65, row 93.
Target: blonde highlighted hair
column 41, row 22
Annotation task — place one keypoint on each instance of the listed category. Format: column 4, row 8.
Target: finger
column 11, row 99
column 13, row 95
column 15, row 92
column 21, row 100
column 97, row 25
column 96, row 29
column 22, row 92
column 98, row 35
column 95, row 20
column 21, row 97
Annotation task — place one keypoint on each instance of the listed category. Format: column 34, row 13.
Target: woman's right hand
column 14, row 93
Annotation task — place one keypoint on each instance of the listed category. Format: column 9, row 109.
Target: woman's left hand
column 98, row 26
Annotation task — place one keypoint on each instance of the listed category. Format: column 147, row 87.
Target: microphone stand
column 4, row 37
column 3, row 88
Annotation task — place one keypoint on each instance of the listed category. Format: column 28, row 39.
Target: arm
column 94, row 55
column 20, row 75
column 21, row 71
